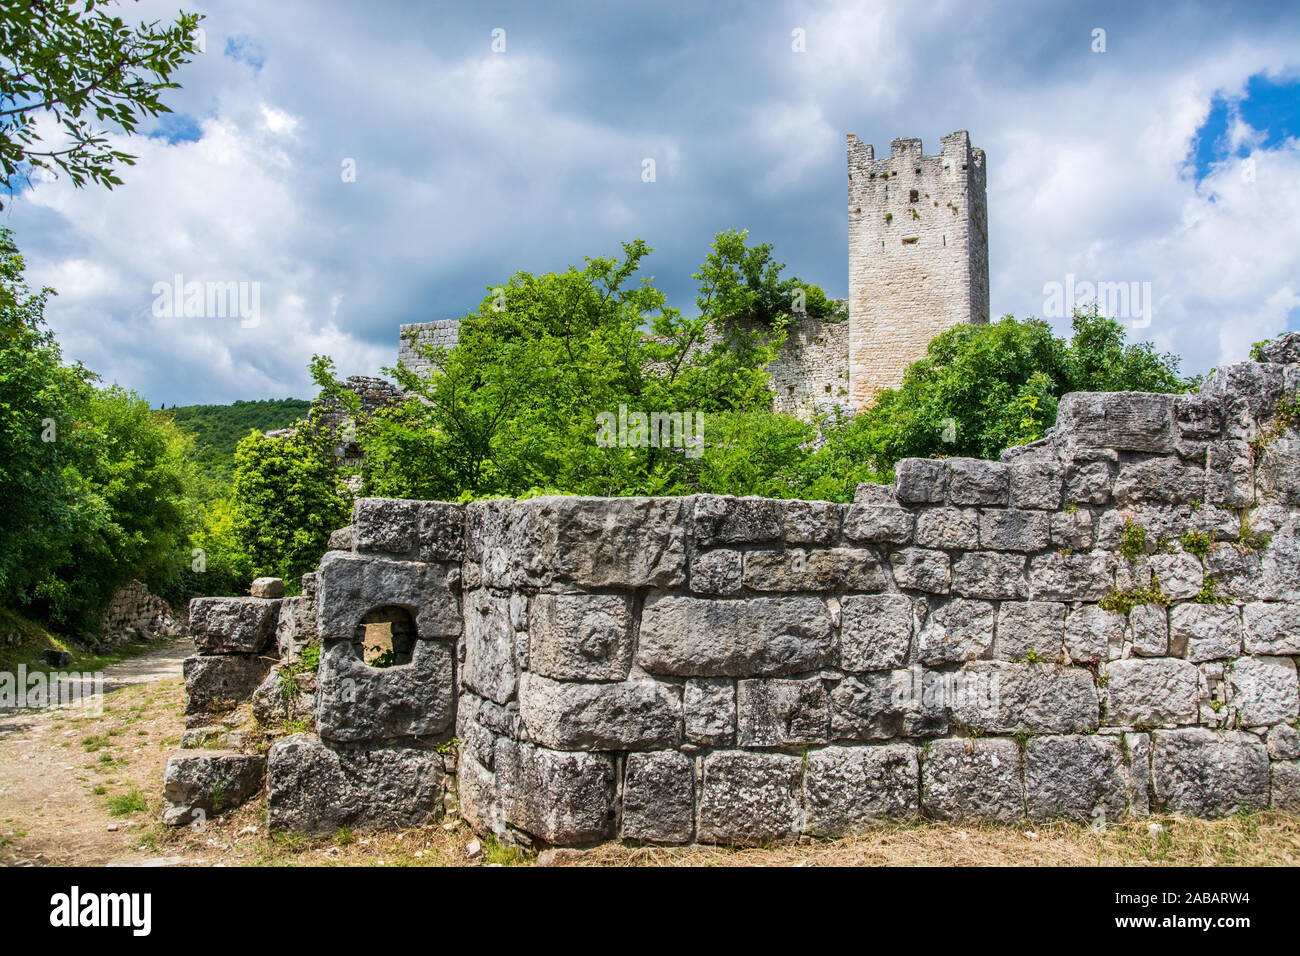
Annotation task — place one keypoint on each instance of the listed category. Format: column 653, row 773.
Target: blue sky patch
column 1271, row 107
column 246, row 50
column 177, row 128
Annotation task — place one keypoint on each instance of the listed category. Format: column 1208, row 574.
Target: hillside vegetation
column 218, row 429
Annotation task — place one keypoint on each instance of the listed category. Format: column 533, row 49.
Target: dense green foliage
column 218, row 429
column 90, row 72
column 94, row 484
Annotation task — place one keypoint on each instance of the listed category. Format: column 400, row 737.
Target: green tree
column 286, row 500
column 72, row 62
column 740, row 283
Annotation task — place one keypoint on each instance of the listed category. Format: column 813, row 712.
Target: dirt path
column 75, row 782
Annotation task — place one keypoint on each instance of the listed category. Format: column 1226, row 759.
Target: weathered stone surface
column 722, row 519
column 1159, row 479
column 875, row 631
column 1263, row 691
column 847, row 788
column 1151, row 693
column 1271, row 628
column 1072, row 530
column 1139, row 769
column 1279, row 471
column 974, row 481
column 1035, row 483
column 812, row 522
column 341, row 539
column 1124, row 421
column 619, row 542
column 1284, row 789
column 1148, row 630
column 201, row 783
column 1230, row 474
column 716, row 572
column 659, row 798
column 749, row 798
column 1283, row 350
column 285, row 696
column 710, row 711
column 267, row 588
column 442, row 531
column 1089, row 483
column 233, row 625
column 781, row 713
column 870, row 493
column 887, row 704
column 1198, row 416
column 920, row 481
column 976, row 779
column 920, row 569
column 627, row 715
column 1071, row 577
column 490, row 666
column 696, row 637
column 356, row 702
column 566, row 799
column 948, row 528
column 386, row 526
column 990, row 574
column 1284, row 742
column 295, row 626
column 581, row 636
column 1180, row 575
column 1207, row 631
column 1093, row 634
column 958, row 630
column 1078, row 777
column 1208, row 773
column 311, row 788
column 351, row 585
column 1014, row 530
column 215, row 685
column 833, row 569
column 1028, row 698
column 1030, row 629
column 876, row 523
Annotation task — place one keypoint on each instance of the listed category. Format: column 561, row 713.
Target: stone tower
column 918, row 254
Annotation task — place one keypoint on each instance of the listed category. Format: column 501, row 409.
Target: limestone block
column 1208, row 773
column 1093, row 634
column 1207, row 631
column 351, row 585
column 957, row 630
column 749, row 798
column 973, row 779
column 948, row 528
column 627, row 715
column 1076, row 777
column 974, row 481
column 1089, row 483
column 990, row 574
column 388, row 526
column 267, row 588
column 209, row 782
column 1271, row 627
column 832, row 569
column 1030, row 629
column 1160, row 692
column 216, row 685
column 781, row 713
column 311, row 788
column 812, row 522
column 233, row 625
column 1284, row 742
column 920, row 569
column 709, row 704
column 1071, row 577
column 1014, row 530
column 1284, row 789
column 920, row 481
column 848, row 788
column 565, row 799
column 1124, row 421
column 1159, row 479
column 877, row 523
column 1263, row 691
column 356, row 702
column 659, row 798
column 1230, row 474
column 722, row 519
column 875, row 631
column 581, row 636
column 1035, row 483
column 1148, row 630
column 886, row 704
column 490, row 662
column 698, row 637
column 1028, row 698
column 716, row 572
column 619, row 542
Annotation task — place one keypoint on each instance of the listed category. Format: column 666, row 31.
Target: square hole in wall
column 913, row 195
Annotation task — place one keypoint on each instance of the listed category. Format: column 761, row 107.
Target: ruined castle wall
column 918, row 254
column 979, row 640
column 417, row 335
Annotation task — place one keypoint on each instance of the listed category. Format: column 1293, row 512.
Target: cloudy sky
column 1170, row 158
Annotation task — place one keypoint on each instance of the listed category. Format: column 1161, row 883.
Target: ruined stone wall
column 137, row 614
column 918, row 254
column 416, row 335
column 1103, row 624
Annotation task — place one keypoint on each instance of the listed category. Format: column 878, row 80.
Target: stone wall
column 137, row 614
column 1103, row 624
column 918, row 254
column 417, row 335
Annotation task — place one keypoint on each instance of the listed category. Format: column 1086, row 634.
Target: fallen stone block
column 233, row 625
column 202, row 783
